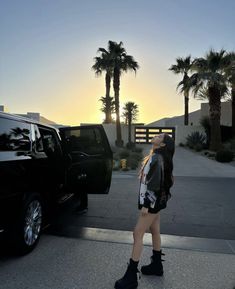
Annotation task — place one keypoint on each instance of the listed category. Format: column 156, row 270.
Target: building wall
column 110, row 130
column 33, row 115
column 160, row 122
column 226, row 112
column 195, row 116
column 194, row 119
column 183, row 131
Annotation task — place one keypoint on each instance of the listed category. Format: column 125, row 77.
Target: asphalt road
column 200, row 207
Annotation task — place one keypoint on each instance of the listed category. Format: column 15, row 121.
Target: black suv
column 40, row 167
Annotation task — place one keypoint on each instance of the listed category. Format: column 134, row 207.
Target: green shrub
column 198, row 147
column 130, row 145
column 133, row 158
column 205, row 123
column 181, row 144
column 195, row 139
column 116, row 156
column 137, row 149
column 209, row 154
column 132, row 163
column 136, row 156
column 124, row 153
column 224, row 156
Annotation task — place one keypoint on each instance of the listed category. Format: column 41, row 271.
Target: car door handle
column 82, row 154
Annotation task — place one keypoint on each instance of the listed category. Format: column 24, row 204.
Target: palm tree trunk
column 233, row 111
column 233, row 99
column 186, row 101
column 129, row 130
column 215, row 113
column 108, row 113
column 116, row 86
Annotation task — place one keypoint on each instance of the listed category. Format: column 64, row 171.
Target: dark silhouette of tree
column 117, row 62
column 108, row 106
column 183, row 66
column 130, row 114
column 209, row 74
column 103, row 63
column 230, row 73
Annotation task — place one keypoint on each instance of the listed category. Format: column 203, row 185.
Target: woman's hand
column 144, row 211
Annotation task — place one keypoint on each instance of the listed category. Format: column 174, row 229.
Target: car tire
column 29, row 225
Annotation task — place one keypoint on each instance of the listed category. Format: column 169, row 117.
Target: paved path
column 188, row 163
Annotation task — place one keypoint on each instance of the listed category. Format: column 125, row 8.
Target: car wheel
column 28, row 229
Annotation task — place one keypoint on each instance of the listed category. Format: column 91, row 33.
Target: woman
column 155, row 182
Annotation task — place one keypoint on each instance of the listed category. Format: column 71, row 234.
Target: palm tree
column 103, row 63
column 209, row 74
column 203, row 94
column 183, row 66
column 121, row 62
column 114, row 61
column 130, row 113
column 108, row 106
column 230, row 73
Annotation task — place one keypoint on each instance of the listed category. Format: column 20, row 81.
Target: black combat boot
column 155, row 267
column 129, row 280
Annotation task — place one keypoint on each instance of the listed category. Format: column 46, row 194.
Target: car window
column 47, row 141
column 14, row 135
column 87, row 140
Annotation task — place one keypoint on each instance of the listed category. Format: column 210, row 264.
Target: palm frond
column 183, row 65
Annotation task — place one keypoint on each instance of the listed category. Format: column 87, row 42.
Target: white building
column 183, row 131
column 197, row 115
column 33, row 115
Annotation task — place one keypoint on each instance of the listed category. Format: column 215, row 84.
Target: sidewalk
column 63, row 263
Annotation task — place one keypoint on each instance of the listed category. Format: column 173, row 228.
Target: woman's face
column 157, row 141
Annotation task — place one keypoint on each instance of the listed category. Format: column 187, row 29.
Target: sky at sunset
column 47, row 49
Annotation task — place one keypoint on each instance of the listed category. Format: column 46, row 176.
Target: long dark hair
column 167, row 153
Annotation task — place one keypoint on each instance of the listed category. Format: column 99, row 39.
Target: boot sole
column 153, row 274
column 129, row 287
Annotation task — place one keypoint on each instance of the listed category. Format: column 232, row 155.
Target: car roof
column 24, row 119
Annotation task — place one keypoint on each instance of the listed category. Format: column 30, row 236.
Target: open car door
column 90, row 165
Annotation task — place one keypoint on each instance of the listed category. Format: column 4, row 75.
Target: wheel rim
column 33, row 222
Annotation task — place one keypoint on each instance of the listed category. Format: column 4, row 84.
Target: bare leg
column 155, row 231
column 143, row 224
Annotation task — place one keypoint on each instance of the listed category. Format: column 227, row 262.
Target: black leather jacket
column 154, row 199
column 155, row 176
